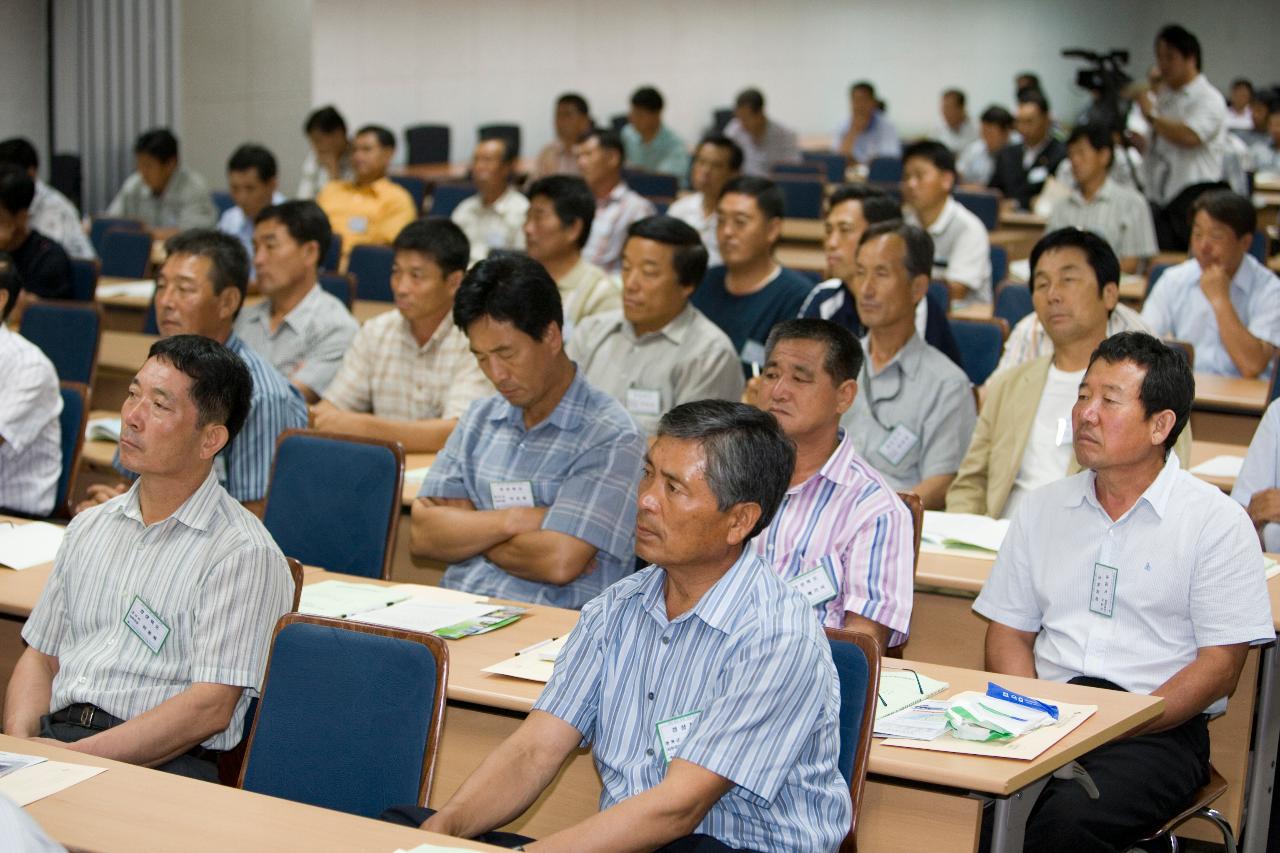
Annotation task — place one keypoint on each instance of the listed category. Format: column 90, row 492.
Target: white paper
column 1020, row 270
column 1270, row 567
column 437, row 594
column 1023, row 748
column 107, row 429
column 418, row 615
column 11, row 762
column 529, row 667
column 25, row 545
column 140, row 288
column 964, row 529
column 922, row 721
column 417, row 475
column 1219, row 466
column 44, row 779
column 340, row 599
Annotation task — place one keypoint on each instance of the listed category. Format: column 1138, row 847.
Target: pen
column 528, row 649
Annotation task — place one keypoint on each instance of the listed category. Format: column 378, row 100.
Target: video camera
column 1106, row 79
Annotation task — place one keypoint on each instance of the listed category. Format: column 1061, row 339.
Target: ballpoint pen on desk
column 536, row 646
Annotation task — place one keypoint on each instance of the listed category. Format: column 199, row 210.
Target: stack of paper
column 419, row 615
column 922, row 721
column 1023, row 748
column 141, row 289
column 962, row 530
column 1270, row 567
column 1219, row 466
column 902, row 688
column 27, row 778
column 103, row 429
column 532, row 664
column 340, row 600
column 25, row 545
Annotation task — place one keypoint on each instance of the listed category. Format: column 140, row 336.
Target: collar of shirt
column 196, row 512
column 1156, row 495
column 434, row 342
column 943, row 222
column 502, row 202
column 675, row 331
column 838, row 468
column 567, row 415
column 907, row 359
column 1030, row 155
column 719, row 608
column 1104, row 193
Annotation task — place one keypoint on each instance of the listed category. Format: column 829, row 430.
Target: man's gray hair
column 918, row 258
column 749, row 458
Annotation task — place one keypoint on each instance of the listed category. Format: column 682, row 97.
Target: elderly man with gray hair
column 704, row 685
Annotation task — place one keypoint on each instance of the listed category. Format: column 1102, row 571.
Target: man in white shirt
column 251, row 178
column 1136, row 576
column 957, row 130
column 493, row 218
column 51, row 212
column 717, row 161
column 961, row 247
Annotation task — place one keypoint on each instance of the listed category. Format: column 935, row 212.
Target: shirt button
column 649, row 752
column 650, row 696
column 666, row 640
column 83, row 679
column 111, row 642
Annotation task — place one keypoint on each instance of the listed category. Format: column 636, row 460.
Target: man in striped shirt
column 151, row 635
column 842, row 536
column 703, row 684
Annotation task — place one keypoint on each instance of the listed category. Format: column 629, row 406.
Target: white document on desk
column 103, row 429
column 964, row 530
column 25, row 545
column 1023, row 748
column 1219, row 466
column 425, row 616
column 437, row 594
column 532, row 664
column 141, row 289
column 37, row 781
column 341, row 600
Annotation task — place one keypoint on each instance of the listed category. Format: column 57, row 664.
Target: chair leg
column 1228, row 836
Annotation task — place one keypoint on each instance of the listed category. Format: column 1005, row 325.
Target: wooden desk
column 1014, row 218
column 119, row 357
column 803, row 230
column 1203, row 451
column 802, row 257
column 131, row 809
column 1227, row 409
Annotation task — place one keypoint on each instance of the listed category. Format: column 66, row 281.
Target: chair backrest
column 618, row 121
column 1188, row 351
column 801, row 197
column 68, row 333
column 334, row 500
column 1153, row 276
column 426, row 143
column 446, row 197
column 100, row 225
column 999, row 264
column 941, row 292
column 222, row 200
column 151, row 324
column 333, row 257
column 71, row 425
column 340, row 285
column 509, row 133
column 980, row 343
column 1258, row 248
column 857, row 660
column 1274, row 390
column 416, row 187
column 84, row 279
column 371, row 266
column 651, row 184
column 913, row 502
column 806, row 169
column 298, row 574
column 984, row 205
column 834, row 164
column 720, row 118
column 66, row 175
column 885, row 169
column 1013, row 302
column 322, row 675
column 126, row 254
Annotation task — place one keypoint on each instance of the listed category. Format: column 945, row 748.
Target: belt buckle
column 86, row 716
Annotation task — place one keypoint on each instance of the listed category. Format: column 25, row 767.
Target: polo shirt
column 30, row 403
column 1116, row 213
column 688, row 209
column 748, row 319
column 43, row 267
column 1172, row 168
column 615, row 213
column 961, row 250
column 778, row 145
column 184, row 203
column 366, row 214
column 310, row 341
column 233, row 221
column 492, row 226
column 1261, row 470
column 665, row 153
column 587, row 290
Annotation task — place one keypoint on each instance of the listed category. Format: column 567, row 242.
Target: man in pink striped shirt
column 842, row 537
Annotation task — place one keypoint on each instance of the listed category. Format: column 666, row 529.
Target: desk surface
column 130, row 809
column 1203, row 451
column 1233, row 394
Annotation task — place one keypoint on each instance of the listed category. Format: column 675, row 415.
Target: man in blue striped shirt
column 703, row 683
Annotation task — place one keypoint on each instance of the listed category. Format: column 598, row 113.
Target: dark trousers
column 1142, row 782
column 415, row 815
column 183, row 765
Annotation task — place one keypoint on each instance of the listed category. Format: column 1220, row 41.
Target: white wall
column 1236, row 38
column 24, row 68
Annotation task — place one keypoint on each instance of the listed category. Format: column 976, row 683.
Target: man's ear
column 213, row 438
column 742, row 520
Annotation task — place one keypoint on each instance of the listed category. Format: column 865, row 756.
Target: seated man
column 867, row 133
column 167, row 196
column 1222, row 300
column 408, row 375
column 370, row 209
column 851, row 208
column 30, row 403
column 300, row 328
column 839, row 515
column 648, row 143
column 330, row 156
column 199, row 291
column 746, row 659
column 915, row 415
column 494, row 217
column 1257, row 488
column 957, row 131
column 658, row 351
column 42, row 265
column 1118, row 213
column 561, row 210
column 572, row 121
column 52, row 213
column 717, row 161
column 1023, row 437
column 977, row 162
column 1021, row 168
column 252, row 181
column 533, row 496
column 1178, row 596
column 175, row 555
column 751, row 292
column 961, row 247
column 1264, row 155
column 617, row 205
column 764, row 142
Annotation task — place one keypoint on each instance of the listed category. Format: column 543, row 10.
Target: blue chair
column 999, row 264
column 102, row 224
column 812, row 171
column 1274, row 390
column 446, row 197
column 618, row 121
column 1153, row 276
column 1258, row 248
column 509, row 133
column 150, row 325
column 416, row 187
column 802, row 197
column 333, row 257
column 941, row 292
column 334, row 500
column 833, row 164
column 322, row 675
column 339, row 285
column 1013, row 302
column 84, row 279
column 371, row 266
column 125, row 254
column 985, row 206
column 427, row 143
column 887, row 170
column 857, row 659
column 68, row 333
column 222, row 200
column 71, row 426
column 720, row 118
column 651, row 184
column 980, row 343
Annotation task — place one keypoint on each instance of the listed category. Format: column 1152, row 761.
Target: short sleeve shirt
column 184, row 203
column 30, row 403
column 614, row 215
column 492, row 226
column 961, row 250
column 1172, row 168
column 1116, row 213
column 310, row 341
column 748, row 319
column 1261, row 469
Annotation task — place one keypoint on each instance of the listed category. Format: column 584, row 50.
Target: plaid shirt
column 614, row 216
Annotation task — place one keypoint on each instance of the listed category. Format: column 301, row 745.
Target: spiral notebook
column 902, row 688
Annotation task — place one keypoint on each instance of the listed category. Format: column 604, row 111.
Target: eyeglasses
column 911, row 672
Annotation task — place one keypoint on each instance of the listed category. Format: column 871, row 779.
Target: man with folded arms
column 152, row 633
column 703, row 685
column 1132, row 575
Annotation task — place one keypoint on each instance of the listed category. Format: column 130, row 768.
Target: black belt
column 92, row 717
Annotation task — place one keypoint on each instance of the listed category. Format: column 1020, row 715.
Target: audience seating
column 941, row 292
column 802, row 197
column 812, row 171
column 102, row 224
column 426, row 144
column 984, row 205
column 1013, row 302
column 980, row 343
column 371, row 266
column 71, row 427
column 1258, row 248
column 857, row 659
column 68, row 333
column 1202, row 807
column 334, row 500
column 416, row 187
column 84, row 279
column 720, row 118
column 125, row 254
column 833, row 164
column 618, row 121
column 222, row 200
column 999, row 265
column 350, row 715
column 332, row 257
column 339, row 285
column 507, row 132
column 446, row 197
column 885, row 170
column 652, row 184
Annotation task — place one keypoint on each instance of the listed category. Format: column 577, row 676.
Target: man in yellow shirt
column 372, row 209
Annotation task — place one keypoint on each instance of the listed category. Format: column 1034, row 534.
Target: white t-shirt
column 1048, row 452
column 1172, row 168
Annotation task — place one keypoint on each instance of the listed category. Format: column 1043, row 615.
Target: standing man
column 494, row 217
column 1132, row 575
column 151, row 636
column 649, row 144
column 1021, row 168
column 717, row 161
column 957, row 131
column 600, row 156
column 167, row 196
column 300, row 328
column 658, row 351
column 251, row 178
column 867, row 133
column 52, row 213
column 561, row 210
column 43, row 267
column 330, row 156
column 572, row 121
column 370, row 209
column 533, row 496
column 764, row 142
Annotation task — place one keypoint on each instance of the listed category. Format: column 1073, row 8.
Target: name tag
column 818, row 585
column 511, row 493
column 753, row 352
column 146, row 625
column 1038, row 175
column 644, row 401
column 672, row 732
column 897, row 444
column 357, row 224
column 1102, row 598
